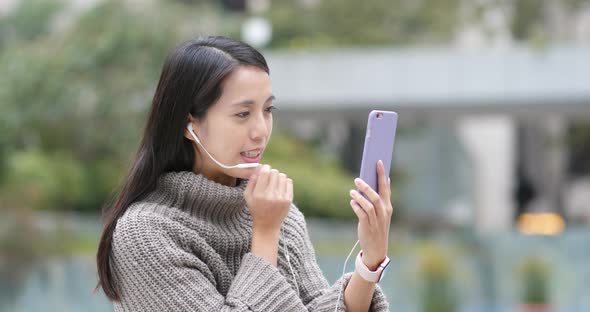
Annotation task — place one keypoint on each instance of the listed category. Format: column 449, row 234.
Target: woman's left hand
column 374, row 217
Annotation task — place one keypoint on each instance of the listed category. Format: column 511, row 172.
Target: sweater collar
column 201, row 197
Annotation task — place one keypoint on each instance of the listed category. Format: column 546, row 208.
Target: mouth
column 251, row 156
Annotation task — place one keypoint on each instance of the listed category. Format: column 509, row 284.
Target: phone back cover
column 379, row 141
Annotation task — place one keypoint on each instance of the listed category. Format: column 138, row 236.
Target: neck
column 200, row 196
column 211, row 171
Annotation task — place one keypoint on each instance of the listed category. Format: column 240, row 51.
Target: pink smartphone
column 379, row 141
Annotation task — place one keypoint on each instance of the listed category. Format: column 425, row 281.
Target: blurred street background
column 491, row 168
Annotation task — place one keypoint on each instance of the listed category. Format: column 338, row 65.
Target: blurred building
column 482, row 131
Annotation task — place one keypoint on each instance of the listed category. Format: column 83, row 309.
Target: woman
column 187, row 234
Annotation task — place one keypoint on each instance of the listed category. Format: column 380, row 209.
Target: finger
column 389, row 188
column 251, row 184
column 252, row 181
column 365, row 205
column 282, row 185
column 273, row 181
column 359, row 212
column 262, row 180
column 383, row 185
column 290, row 189
column 371, row 194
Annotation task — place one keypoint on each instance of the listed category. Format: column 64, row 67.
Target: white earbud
column 189, row 127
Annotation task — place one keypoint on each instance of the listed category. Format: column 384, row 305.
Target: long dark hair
column 190, row 83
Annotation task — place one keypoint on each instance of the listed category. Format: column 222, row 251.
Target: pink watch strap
column 368, row 275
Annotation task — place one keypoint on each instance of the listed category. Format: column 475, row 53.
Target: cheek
column 233, row 140
column 269, row 126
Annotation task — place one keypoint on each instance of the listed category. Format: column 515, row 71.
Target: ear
column 195, row 124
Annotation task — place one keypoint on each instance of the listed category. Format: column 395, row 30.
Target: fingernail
column 352, row 193
column 357, row 181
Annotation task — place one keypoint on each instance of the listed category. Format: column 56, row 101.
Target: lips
column 252, row 153
column 251, row 156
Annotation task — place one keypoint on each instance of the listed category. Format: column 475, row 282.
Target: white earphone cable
column 286, row 251
column 343, row 271
column 250, row 165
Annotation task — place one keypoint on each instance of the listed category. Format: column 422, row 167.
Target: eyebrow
column 251, row 102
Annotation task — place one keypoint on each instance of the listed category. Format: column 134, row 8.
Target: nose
column 260, row 129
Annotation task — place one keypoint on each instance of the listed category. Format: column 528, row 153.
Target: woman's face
column 236, row 128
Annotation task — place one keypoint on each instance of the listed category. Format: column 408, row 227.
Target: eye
column 243, row 114
column 270, row 109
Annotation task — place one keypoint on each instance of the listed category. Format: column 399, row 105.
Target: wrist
column 370, row 274
column 265, row 244
column 265, row 231
column 361, row 280
column 372, row 263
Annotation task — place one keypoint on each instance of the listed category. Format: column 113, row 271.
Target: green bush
column 43, row 181
column 436, row 273
column 534, row 272
column 320, row 184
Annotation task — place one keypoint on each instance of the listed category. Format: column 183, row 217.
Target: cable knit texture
column 186, row 247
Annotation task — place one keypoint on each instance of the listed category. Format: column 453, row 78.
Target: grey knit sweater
column 186, row 247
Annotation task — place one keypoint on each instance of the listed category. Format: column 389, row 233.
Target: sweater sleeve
column 315, row 291
column 153, row 273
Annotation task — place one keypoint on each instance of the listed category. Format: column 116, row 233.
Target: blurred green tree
column 74, row 104
column 30, row 20
column 350, row 23
column 64, row 95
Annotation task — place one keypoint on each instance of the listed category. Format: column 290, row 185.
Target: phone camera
column 379, row 115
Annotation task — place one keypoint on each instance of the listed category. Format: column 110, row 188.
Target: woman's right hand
column 269, row 194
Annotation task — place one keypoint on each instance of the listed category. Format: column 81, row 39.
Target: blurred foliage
column 30, row 20
column 43, row 180
column 63, row 97
column 343, row 23
column 74, row 103
column 320, row 184
column 535, row 273
column 346, row 23
column 436, row 273
column 530, row 20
